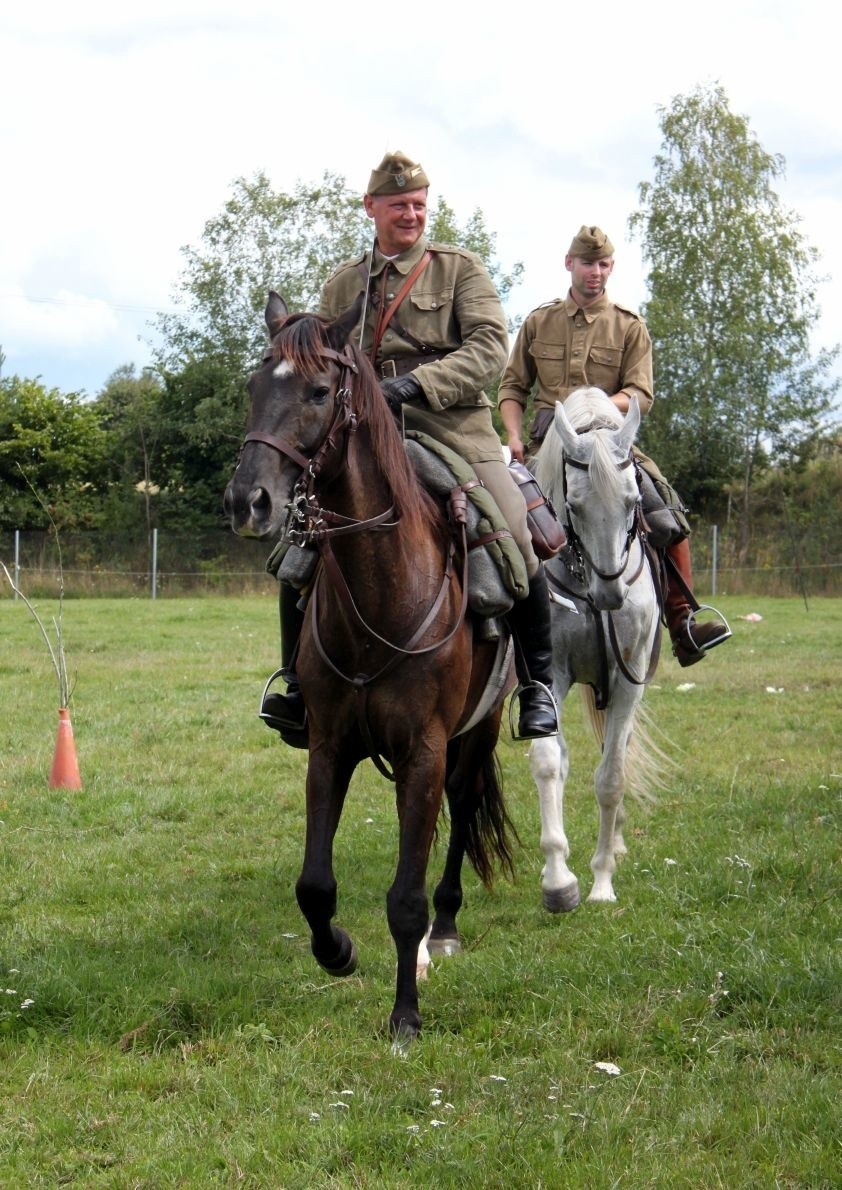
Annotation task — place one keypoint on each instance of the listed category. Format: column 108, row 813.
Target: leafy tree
column 261, row 240
column 50, row 444
column 733, row 302
column 129, row 411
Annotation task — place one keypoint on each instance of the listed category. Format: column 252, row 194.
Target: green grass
column 180, row 1033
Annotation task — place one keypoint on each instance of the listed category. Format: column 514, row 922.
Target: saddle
column 496, row 569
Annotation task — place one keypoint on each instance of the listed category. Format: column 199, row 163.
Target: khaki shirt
column 452, row 306
column 564, row 347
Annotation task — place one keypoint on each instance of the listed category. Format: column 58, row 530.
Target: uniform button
column 390, row 297
column 433, row 305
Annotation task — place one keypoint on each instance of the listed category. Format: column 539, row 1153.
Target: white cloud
column 123, row 128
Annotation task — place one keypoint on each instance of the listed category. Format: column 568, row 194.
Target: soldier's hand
column 399, row 389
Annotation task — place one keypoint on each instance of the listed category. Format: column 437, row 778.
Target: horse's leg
column 419, row 782
column 609, row 786
column 479, row 826
column 447, row 899
column 549, row 760
column 327, row 785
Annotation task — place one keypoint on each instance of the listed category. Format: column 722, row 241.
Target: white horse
column 606, row 631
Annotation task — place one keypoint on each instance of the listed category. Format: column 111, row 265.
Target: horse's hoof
column 562, row 900
column 403, row 1032
column 445, row 946
column 344, row 961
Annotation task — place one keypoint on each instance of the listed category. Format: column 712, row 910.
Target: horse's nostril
column 259, row 500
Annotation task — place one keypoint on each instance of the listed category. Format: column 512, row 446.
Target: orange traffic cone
column 65, row 771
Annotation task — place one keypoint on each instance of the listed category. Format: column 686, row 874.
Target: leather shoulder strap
column 386, row 314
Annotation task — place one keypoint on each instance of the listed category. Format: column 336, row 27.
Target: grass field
column 162, row 1022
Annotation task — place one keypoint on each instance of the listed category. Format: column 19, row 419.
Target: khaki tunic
column 564, row 347
column 454, row 307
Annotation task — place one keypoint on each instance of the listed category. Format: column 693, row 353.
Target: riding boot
column 529, row 621
column 690, row 641
column 284, row 712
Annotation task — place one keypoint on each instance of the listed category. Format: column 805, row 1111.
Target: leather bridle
column 636, row 530
column 319, row 525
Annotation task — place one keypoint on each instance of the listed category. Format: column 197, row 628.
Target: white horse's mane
column 596, row 418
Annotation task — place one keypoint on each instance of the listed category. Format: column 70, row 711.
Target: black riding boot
column 529, row 621
column 284, row 712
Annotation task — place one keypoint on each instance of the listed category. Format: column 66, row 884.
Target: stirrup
column 516, row 693
column 724, row 634
column 275, row 721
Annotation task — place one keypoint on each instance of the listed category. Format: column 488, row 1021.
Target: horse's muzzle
column 249, row 511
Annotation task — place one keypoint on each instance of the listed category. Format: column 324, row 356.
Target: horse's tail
column 475, row 792
column 647, row 765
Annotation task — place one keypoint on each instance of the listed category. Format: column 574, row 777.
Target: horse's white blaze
column 284, row 368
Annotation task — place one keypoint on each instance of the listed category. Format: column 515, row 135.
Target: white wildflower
column 498, row 1078
column 607, row 1068
column 671, row 863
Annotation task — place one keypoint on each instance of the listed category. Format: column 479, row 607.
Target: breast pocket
column 549, row 362
column 429, row 315
column 604, row 367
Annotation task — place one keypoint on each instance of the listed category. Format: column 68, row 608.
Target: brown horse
column 388, row 662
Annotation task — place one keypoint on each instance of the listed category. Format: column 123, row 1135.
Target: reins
column 316, row 526
column 636, row 531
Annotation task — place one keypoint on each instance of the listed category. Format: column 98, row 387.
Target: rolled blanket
column 496, row 569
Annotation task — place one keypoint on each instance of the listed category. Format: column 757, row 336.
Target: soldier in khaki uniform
column 435, row 330
column 586, row 339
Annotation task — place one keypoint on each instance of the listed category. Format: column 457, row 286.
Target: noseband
column 631, row 533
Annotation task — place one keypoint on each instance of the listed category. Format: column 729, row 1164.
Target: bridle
column 309, row 524
column 633, row 530
column 636, row 530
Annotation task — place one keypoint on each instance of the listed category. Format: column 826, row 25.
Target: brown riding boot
column 690, row 641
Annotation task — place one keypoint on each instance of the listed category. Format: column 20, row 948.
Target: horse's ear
column 339, row 332
column 631, row 423
column 276, row 311
column 570, row 440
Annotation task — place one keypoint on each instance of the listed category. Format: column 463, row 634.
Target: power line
column 84, row 303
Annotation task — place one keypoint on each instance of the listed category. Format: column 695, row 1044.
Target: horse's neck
column 360, row 490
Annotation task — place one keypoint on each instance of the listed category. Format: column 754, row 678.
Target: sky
column 123, row 129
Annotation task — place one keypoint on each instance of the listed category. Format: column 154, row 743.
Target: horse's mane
column 301, row 341
column 595, row 417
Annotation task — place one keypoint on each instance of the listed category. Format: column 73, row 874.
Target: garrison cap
column 396, row 174
column 591, row 244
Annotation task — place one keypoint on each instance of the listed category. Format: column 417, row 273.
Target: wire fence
column 166, row 565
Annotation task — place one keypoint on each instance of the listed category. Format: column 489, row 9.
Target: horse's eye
column 320, row 394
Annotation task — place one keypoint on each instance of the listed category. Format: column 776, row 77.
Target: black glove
column 399, row 389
